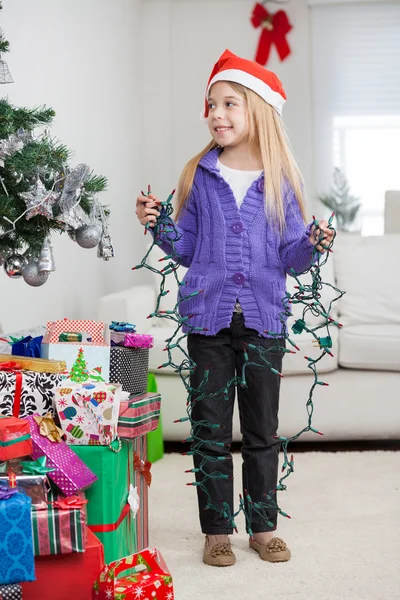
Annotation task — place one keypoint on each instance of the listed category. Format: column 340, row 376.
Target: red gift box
column 66, row 576
column 15, row 438
column 150, row 578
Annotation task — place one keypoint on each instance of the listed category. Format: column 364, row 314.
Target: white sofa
column 362, row 401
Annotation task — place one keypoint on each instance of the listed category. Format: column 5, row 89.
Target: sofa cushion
column 375, row 347
column 293, row 364
column 366, row 269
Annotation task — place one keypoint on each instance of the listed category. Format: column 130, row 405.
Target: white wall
column 182, row 39
column 81, row 59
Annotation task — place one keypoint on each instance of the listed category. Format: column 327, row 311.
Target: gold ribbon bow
column 48, row 428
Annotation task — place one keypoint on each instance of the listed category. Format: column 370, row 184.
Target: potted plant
column 342, row 202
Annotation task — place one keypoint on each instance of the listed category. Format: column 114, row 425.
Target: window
column 356, row 93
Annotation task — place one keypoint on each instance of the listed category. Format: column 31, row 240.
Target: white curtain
column 356, row 101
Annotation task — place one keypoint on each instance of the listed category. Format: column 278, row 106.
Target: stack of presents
column 74, row 474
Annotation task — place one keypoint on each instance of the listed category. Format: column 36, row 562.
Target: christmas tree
column 40, row 194
column 79, row 372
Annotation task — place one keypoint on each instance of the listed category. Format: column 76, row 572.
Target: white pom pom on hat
column 252, row 75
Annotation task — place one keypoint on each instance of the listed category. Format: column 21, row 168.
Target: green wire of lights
column 308, row 295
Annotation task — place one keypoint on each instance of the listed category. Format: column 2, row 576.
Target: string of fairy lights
column 308, row 295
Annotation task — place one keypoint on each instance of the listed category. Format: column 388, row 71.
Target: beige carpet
column 344, row 533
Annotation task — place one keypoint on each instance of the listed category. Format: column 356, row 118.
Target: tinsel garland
column 308, row 295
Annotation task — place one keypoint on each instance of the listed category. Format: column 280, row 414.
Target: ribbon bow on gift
column 48, row 428
column 143, row 467
column 122, row 326
column 274, row 30
column 14, row 367
column 70, row 503
column 10, row 366
column 6, row 492
column 36, row 467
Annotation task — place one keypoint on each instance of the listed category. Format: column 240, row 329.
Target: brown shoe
column 219, row 555
column 275, row 551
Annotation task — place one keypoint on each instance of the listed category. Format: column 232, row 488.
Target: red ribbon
column 70, row 503
column 111, row 526
column 274, row 29
column 143, row 467
column 14, row 367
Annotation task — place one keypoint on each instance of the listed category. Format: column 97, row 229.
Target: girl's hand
column 321, row 244
column 146, row 209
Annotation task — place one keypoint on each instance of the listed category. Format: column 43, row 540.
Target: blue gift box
column 16, row 538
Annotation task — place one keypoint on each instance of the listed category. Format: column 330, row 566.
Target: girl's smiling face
column 227, row 115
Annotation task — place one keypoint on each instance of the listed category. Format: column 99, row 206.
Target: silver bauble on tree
column 14, row 264
column 32, row 276
column 88, row 236
column 46, row 259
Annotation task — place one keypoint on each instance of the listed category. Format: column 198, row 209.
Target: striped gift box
column 138, row 415
column 59, row 531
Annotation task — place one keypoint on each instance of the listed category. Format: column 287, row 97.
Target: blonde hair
column 267, row 137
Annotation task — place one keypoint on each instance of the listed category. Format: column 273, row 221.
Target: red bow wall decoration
column 275, row 27
column 143, row 467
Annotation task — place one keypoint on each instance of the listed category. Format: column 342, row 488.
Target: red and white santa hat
column 250, row 74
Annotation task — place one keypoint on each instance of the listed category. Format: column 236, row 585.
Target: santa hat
column 250, row 74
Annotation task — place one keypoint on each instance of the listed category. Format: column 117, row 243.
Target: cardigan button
column 238, row 278
column 237, row 227
column 261, row 185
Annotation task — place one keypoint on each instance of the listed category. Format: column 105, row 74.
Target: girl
column 241, row 219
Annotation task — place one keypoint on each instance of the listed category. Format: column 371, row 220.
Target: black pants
column 223, row 356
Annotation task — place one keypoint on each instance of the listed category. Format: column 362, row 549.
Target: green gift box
column 117, row 509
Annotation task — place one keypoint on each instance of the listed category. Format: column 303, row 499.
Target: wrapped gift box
column 28, row 346
column 118, row 331
column 12, row 591
column 25, row 393
column 149, row 578
column 122, row 530
column 67, row 576
column 7, row 339
column 38, row 365
column 138, row 340
column 15, row 438
column 34, row 484
column 61, row 527
column 97, row 351
column 138, row 415
column 130, row 368
column 70, row 474
column 16, row 543
column 88, row 412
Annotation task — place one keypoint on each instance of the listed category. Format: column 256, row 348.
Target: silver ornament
column 46, row 259
column 5, row 75
column 39, row 200
column 32, row 276
column 88, row 236
column 105, row 249
column 10, row 146
column 73, row 218
column 14, row 264
column 72, row 186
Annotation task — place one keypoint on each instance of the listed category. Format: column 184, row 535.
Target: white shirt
column 238, row 181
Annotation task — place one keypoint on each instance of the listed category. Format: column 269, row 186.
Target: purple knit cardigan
column 235, row 253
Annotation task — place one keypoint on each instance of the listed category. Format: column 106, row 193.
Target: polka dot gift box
column 70, row 472
column 12, row 591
